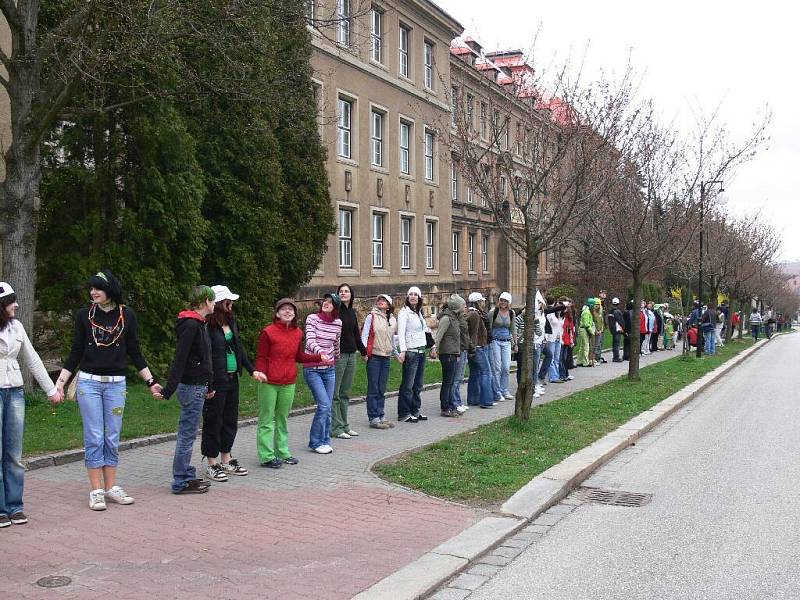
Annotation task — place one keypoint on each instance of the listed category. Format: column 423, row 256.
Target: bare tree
column 537, row 159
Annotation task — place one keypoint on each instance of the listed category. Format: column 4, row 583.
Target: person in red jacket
column 279, row 348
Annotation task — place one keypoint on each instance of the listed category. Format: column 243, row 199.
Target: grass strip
column 50, row 429
column 485, row 466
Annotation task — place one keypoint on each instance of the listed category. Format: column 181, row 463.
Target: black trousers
column 626, row 348
column 616, row 335
column 654, row 342
column 449, row 363
column 221, row 419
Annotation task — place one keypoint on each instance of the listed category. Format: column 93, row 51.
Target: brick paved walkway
column 326, row 528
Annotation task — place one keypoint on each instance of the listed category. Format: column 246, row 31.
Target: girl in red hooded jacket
column 279, row 348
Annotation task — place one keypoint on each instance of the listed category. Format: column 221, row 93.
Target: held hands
column 401, row 357
column 259, row 377
column 325, row 358
column 58, row 395
column 211, row 394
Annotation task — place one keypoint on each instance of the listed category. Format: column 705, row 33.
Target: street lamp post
column 703, row 188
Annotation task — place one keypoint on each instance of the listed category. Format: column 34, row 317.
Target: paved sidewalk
column 324, row 528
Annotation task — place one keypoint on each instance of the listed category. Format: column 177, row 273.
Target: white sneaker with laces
column 216, row 472
column 352, row 433
column 462, row 409
column 324, row 449
column 117, row 495
column 97, row 499
column 570, row 377
column 344, row 436
column 510, row 396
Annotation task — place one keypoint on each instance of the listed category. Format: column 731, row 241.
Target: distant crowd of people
column 209, row 359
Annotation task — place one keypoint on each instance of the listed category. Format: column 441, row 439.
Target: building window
column 470, row 194
column 376, row 35
column 405, row 242
column 485, row 254
column 506, row 134
column 405, row 147
column 345, row 127
column 456, row 246
column 454, row 107
column 471, row 252
column 310, row 11
column 343, row 16
column 503, row 187
column 430, row 244
column 428, row 65
column 377, row 240
column 405, row 36
column 470, row 112
column 377, row 138
column 454, row 180
column 484, row 132
column 345, row 239
column 429, row 144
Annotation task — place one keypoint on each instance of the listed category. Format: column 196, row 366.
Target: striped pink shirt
column 322, row 337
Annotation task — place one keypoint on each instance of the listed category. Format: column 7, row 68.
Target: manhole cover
column 612, row 497
column 54, row 581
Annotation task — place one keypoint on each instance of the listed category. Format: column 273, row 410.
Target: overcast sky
column 697, row 53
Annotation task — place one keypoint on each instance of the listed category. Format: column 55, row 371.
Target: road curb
column 421, row 577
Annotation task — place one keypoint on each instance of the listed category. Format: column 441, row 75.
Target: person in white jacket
column 411, row 330
column 14, row 344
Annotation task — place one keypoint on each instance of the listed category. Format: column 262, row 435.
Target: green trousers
column 345, row 369
column 582, row 347
column 272, row 435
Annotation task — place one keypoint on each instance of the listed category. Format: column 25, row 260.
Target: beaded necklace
column 105, row 334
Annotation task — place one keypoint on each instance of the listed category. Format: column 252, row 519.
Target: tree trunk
column 524, row 397
column 633, row 343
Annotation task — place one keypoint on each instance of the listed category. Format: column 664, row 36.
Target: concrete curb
column 421, row 577
column 75, row 455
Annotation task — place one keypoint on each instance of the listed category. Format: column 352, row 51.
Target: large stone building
column 385, row 76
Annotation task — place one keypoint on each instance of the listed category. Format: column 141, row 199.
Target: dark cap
column 283, row 301
column 335, row 299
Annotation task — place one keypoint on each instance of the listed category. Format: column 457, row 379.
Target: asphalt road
column 724, row 520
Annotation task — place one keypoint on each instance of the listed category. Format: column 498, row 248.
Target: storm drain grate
column 612, row 497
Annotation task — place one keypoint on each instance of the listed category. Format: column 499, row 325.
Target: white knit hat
column 386, row 297
column 475, row 297
column 506, row 296
column 414, row 290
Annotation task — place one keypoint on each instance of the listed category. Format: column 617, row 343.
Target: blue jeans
column 544, row 367
column 501, row 366
column 101, row 405
column 555, row 362
column 461, row 365
column 479, row 387
column 377, row 378
column 710, row 340
column 12, row 473
column 409, row 401
column 321, row 382
column 754, row 331
column 191, row 399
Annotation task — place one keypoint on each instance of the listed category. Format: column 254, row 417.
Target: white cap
column 5, row 289
column 615, row 300
column 506, row 296
column 221, row 292
column 475, row 297
column 414, row 290
column 388, row 298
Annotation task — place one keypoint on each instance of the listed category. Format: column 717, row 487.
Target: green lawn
column 487, row 465
column 49, row 429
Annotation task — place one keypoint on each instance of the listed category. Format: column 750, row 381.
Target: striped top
column 322, row 337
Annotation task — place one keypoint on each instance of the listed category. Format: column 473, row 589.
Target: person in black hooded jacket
column 190, row 377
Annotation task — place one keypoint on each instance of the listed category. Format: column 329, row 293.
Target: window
column 376, row 35
column 518, row 139
column 343, row 16
column 430, row 243
column 484, row 132
column 377, row 138
column 503, row 187
column 471, row 252
column 345, row 127
column 345, row 239
column 506, row 134
column 405, row 36
column 456, row 245
column 470, row 194
column 429, row 143
column 405, row 242
column 377, row 240
column 405, row 148
column 310, row 11
column 485, row 254
column 454, row 180
column 454, row 107
column 495, row 127
column 470, row 112
column 428, row 65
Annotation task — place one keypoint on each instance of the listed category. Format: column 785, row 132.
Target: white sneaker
column 97, row 499
column 509, row 396
column 352, row 433
column 500, row 399
column 117, row 495
column 324, row 449
column 462, row 409
column 570, row 377
column 344, row 436
column 536, row 394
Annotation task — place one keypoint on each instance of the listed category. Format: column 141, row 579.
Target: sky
column 705, row 53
